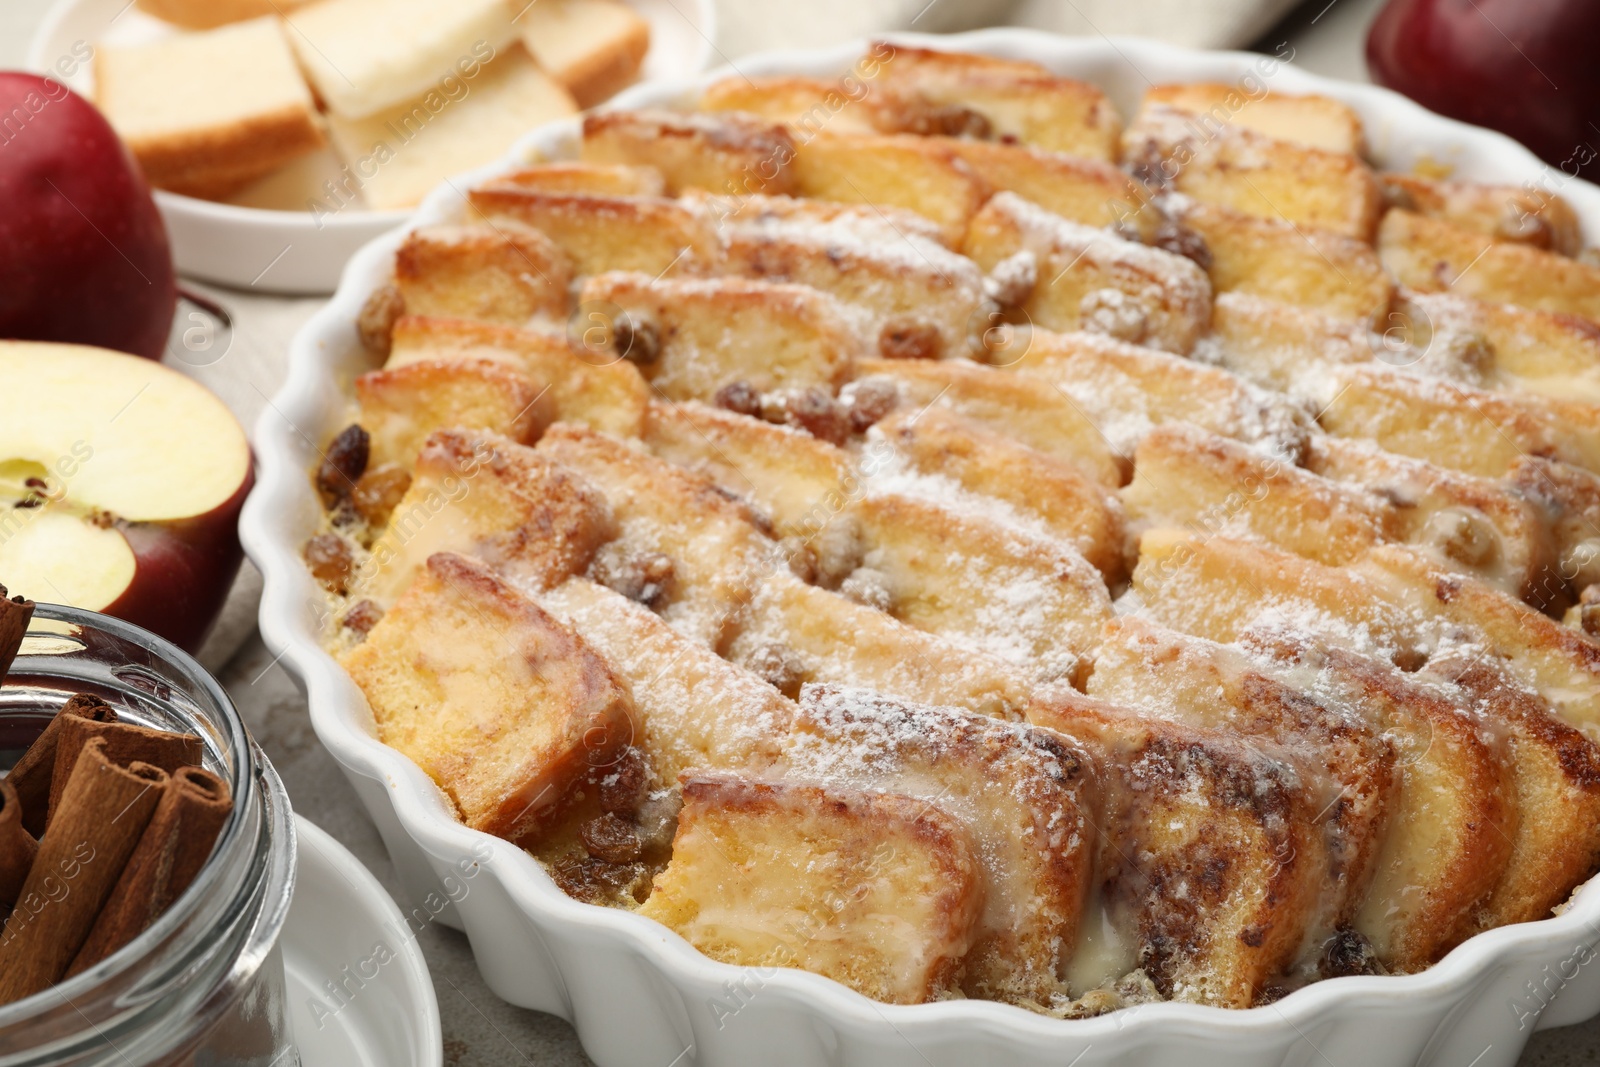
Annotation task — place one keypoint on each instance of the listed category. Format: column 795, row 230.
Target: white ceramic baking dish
column 642, row 997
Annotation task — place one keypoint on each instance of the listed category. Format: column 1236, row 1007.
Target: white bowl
column 268, row 240
column 638, row 994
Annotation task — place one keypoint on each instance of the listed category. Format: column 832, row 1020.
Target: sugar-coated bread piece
column 1451, row 827
column 1126, row 389
column 1283, row 346
column 912, row 173
column 915, row 297
column 691, row 337
column 466, row 121
column 1545, row 352
column 995, row 98
column 487, row 497
column 683, row 548
column 1044, row 419
column 1310, row 120
column 1011, row 478
column 401, row 407
column 1505, row 212
column 581, row 387
column 661, row 237
column 1212, row 864
column 867, row 222
column 1221, row 587
column 1082, row 277
column 209, row 14
column 207, row 113
column 1465, row 429
column 729, row 153
column 1253, row 173
column 969, row 576
column 1186, row 477
column 795, row 480
column 1349, row 763
column 505, row 272
column 1556, row 772
column 1089, row 191
column 366, row 56
column 1023, row 794
column 571, row 176
column 1568, row 498
column 506, row 709
column 1275, row 259
column 693, row 709
column 793, row 633
column 1433, row 255
column 592, row 47
column 1485, row 527
column 807, row 105
column 878, row 891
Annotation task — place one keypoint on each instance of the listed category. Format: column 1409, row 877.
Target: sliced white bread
column 209, row 14
column 593, row 47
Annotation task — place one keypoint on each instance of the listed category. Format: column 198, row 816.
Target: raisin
column 646, row 578
column 1013, row 280
column 779, row 667
column 869, row 588
column 1180, row 240
column 330, row 561
column 910, row 340
column 362, row 617
column 636, row 340
column 375, row 324
column 818, row 414
column 949, row 120
column 739, row 397
column 378, row 492
column 611, row 839
column 344, row 462
column 868, row 401
column 595, row 881
column 623, row 784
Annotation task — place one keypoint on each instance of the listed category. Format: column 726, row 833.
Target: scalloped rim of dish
column 1399, row 131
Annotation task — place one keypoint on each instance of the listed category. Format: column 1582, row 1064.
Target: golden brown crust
column 506, row 273
column 401, row 406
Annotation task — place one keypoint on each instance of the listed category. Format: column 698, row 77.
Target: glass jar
column 204, row 984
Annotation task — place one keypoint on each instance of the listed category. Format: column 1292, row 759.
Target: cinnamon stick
column 32, row 774
column 175, row 844
column 101, row 817
column 126, row 744
column 17, row 846
column 14, row 615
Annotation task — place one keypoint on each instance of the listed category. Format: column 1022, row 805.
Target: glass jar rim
column 241, row 758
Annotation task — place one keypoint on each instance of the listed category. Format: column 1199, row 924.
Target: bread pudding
column 953, row 541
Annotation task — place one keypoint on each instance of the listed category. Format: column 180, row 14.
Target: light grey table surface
column 479, row 1029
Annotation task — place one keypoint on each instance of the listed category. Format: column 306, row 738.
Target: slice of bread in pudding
column 207, row 113
column 1275, row 259
column 365, row 56
column 594, row 48
column 502, row 706
column 401, row 407
column 911, row 173
column 487, row 497
column 732, row 154
column 806, row 105
column 1085, row 277
column 1314, row 121
column 1233, row 165
column 1509, row 213
column 690, row 338
column 574, row 176
column 1023, row 794
column 658, row 236
column 879, row 891
column 405, row 150
column 584, row 386
column 505, row 273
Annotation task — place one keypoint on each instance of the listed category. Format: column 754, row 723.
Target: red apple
column 1524, row 67
column 120, row 487
column 83, row 253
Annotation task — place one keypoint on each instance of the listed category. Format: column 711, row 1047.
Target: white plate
column 268, row 240
column 641, row 996
column 344, row 929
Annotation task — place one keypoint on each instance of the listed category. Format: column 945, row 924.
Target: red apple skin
column 83, row 253
column 183, row 571
column 1524, row 67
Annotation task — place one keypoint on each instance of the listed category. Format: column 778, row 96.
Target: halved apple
column 120, row 487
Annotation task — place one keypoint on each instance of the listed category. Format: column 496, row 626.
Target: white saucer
column 344, row 928
column 273, row 244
